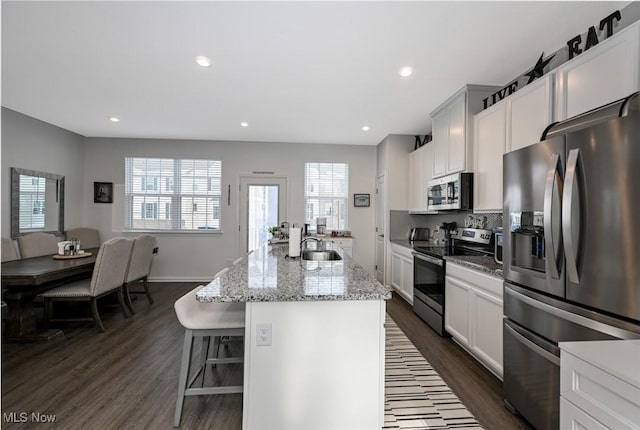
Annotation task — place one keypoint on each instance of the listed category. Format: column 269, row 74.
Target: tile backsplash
column 401, row 222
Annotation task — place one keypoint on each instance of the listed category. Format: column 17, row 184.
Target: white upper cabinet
column 457, row 136
column 452, row 124
column 440, row 143
column 420, row 173
column 489, row 145
column 529, row 112
column 605, row 73
column 510, row 124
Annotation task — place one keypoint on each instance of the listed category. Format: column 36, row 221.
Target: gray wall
column 32, row 144
column 197, row 256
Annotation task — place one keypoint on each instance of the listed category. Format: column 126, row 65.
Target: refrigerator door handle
column 569, row 189
column 533, row 346
column 592, row 324
column 551, row 241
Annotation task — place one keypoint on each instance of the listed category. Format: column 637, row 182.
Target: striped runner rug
column 416, row 397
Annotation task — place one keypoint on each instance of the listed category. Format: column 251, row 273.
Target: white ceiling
column 296, row 71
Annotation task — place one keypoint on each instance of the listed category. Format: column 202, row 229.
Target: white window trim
column 175, row 199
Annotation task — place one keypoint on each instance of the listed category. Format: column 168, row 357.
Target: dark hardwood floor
column 475, row 386
column 126, row 378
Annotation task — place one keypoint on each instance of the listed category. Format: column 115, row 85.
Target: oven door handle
column 431, row 260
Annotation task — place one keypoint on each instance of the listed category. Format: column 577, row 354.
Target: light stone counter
column 314, row 340
column 480, row 263
column 267, row 276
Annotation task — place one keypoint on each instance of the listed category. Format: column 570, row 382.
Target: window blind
column 326, row 193
column 172, row 194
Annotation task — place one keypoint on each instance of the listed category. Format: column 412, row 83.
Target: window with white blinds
column 32, row 202
column 172, row 194
column 326, row 194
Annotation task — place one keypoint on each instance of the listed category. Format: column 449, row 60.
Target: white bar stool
column 205, row 320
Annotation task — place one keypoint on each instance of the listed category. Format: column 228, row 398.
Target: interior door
column 380, row 221
column 263, row 204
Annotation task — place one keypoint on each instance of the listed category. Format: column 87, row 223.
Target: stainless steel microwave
column 451, row 192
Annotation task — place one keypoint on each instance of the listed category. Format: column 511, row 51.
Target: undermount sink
column 328, row 255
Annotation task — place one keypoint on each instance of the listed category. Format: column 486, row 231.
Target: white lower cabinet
column 402, row 271
column 457, row 309
column 600, row 385
column 344, row 243
column 473, row 314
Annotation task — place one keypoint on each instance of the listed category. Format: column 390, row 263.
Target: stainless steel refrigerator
column 571, row 254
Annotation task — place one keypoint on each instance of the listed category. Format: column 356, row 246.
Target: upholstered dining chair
column 88, row 237
column 9, row 252
column 139, row 267
column 108, row 277
column 37, row 244
column 205, row 320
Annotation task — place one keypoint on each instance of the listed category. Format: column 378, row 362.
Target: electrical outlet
column 263, row 334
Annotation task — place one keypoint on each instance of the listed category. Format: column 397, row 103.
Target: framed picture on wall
column 361, row 200
column 103, row 192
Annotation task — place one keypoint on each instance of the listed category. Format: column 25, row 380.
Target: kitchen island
column 314, row 340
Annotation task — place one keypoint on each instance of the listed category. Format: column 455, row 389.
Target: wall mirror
column 37, row 202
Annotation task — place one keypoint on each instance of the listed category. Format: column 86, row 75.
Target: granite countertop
column 412, row 244
column 267, row 276
column 482, row 264
column 479, row 263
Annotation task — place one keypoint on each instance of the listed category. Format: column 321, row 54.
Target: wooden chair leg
column 184, row 374
column 47, row 313
column 145, row 284
column 127, row 298
column 96, row 315
column 122, row 304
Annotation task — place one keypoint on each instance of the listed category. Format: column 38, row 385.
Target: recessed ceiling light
column 406, row 71
column 244, row 124
column 203, row 61
column 114, row 119
column 365, row 128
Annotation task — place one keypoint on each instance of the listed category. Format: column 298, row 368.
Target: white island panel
column 323, row 370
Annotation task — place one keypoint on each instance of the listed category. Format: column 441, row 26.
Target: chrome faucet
column 317, row 239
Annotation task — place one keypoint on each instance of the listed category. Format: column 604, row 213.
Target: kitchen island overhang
column 321, row 364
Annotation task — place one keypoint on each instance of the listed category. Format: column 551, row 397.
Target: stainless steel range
column 429, row 272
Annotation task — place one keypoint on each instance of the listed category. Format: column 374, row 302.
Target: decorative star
column 538, row 69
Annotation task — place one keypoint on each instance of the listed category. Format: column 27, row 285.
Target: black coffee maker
column 448, row 228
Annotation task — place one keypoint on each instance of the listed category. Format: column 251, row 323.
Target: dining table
column 24, row 279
